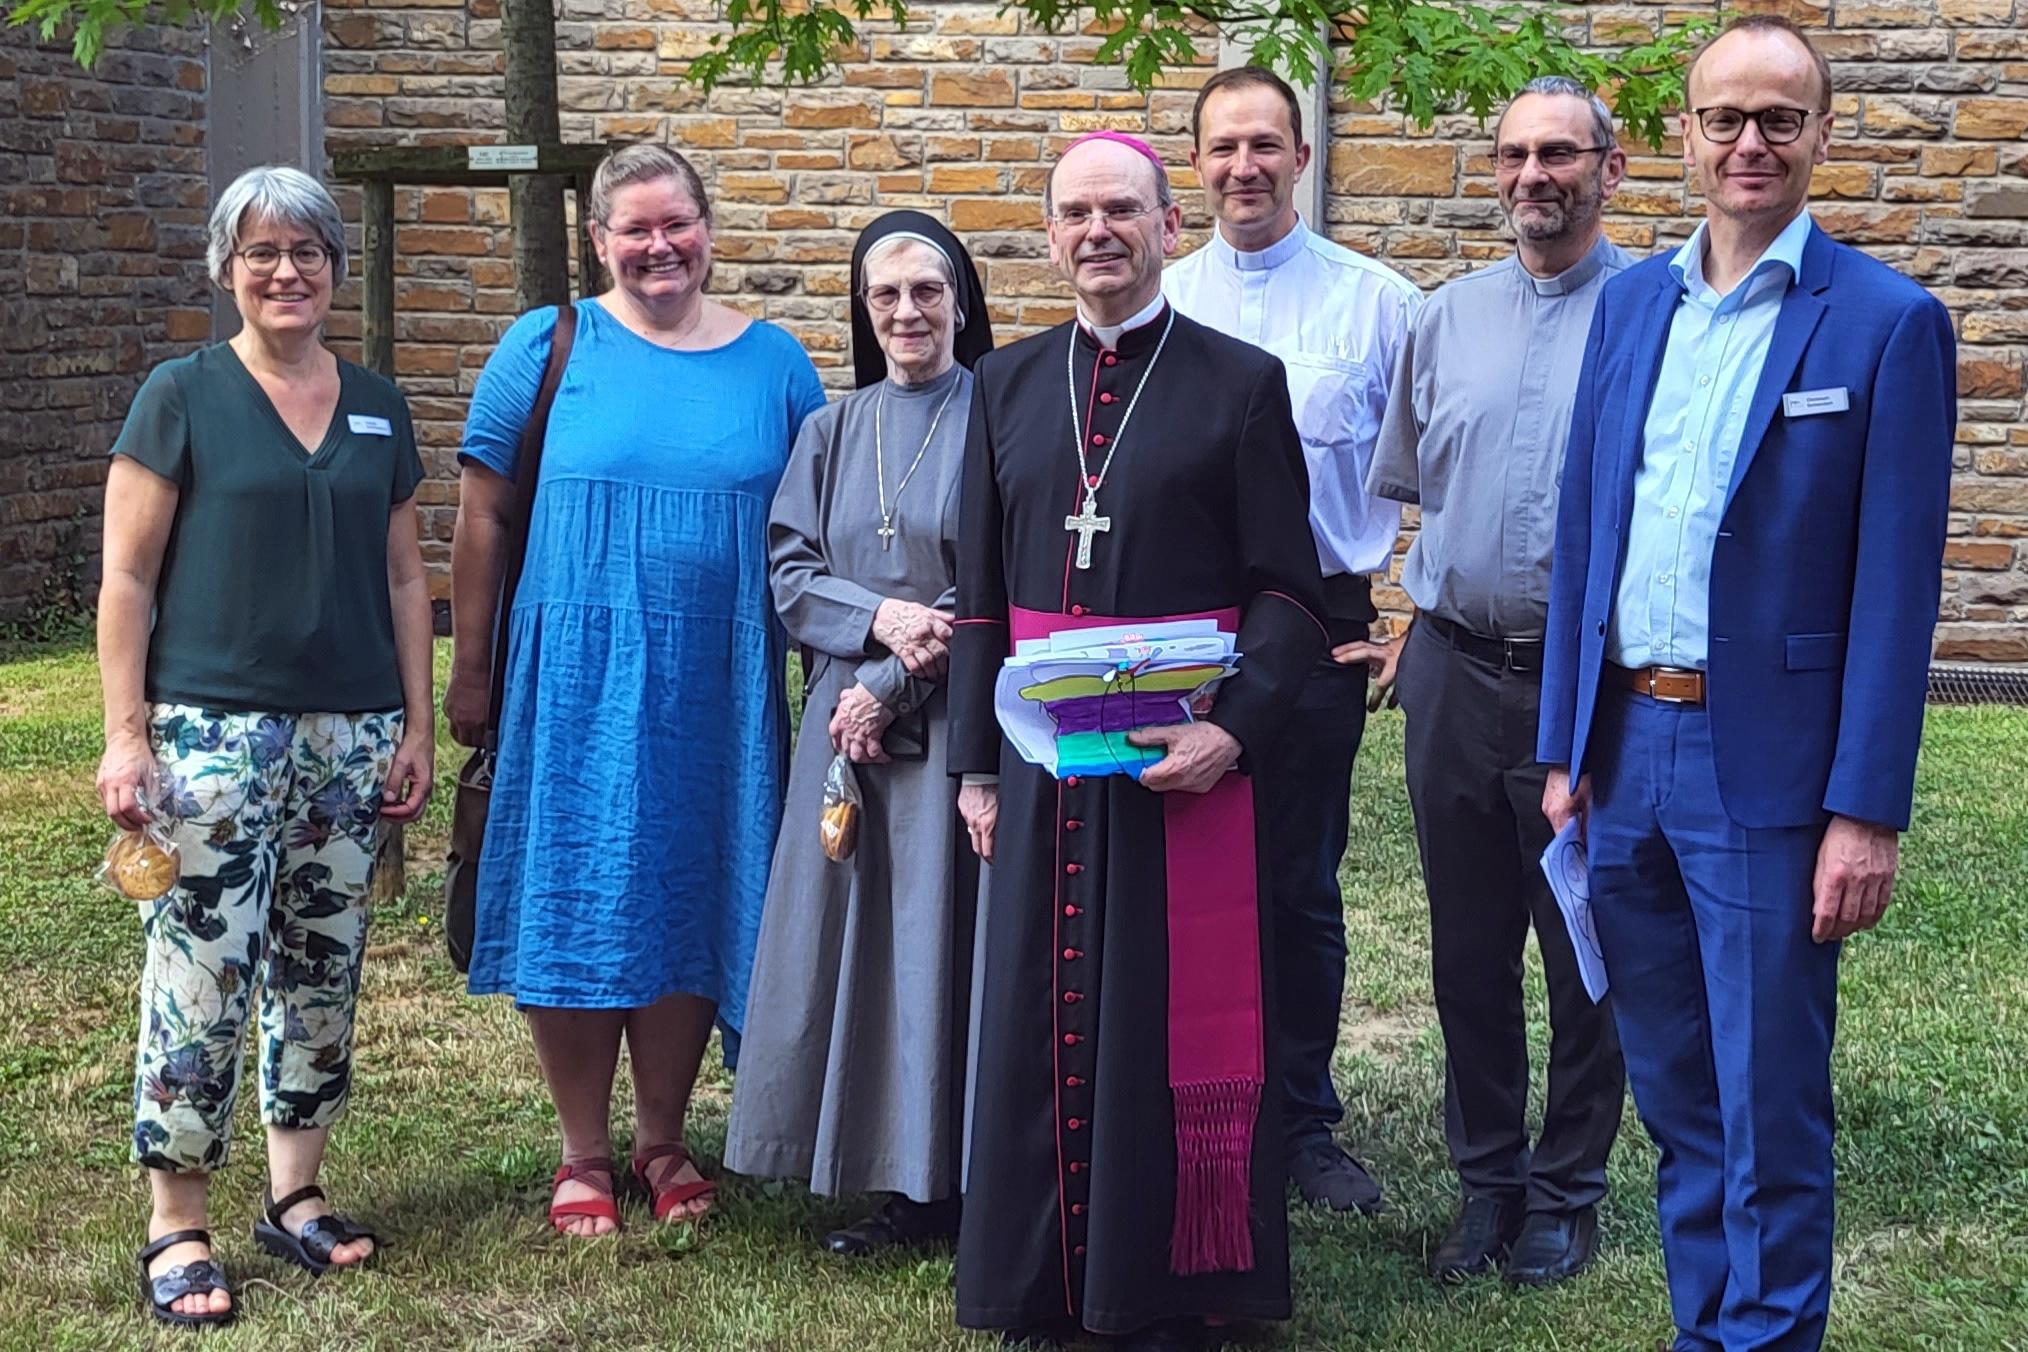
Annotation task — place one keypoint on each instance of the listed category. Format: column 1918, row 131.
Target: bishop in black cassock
column 1125, row 1166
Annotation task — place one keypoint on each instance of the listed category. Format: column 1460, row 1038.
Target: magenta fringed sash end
column 1215, row 1022
column 1214, row 1177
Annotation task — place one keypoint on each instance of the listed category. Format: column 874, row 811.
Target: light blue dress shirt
column 1710, row 368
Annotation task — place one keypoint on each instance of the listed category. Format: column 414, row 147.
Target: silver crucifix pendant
column 1083, row 524
column 886, row 534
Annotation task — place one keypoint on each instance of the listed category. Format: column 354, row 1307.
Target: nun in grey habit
column 852, row 1066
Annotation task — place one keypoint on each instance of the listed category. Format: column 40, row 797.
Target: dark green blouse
column 273, row 595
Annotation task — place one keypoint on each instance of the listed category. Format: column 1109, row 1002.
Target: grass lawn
column 451, row 1141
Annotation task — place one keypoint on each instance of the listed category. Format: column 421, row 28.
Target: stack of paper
column 1068, row 702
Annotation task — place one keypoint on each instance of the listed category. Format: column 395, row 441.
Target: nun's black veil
column 973, row 341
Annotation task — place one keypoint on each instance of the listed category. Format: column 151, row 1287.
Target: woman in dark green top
column 264, row 643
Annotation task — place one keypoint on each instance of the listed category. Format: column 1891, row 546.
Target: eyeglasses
column 262, row 259
column 1778, row 126
column 1557, row 155
column 1079, row 218
column 642, row 235
column 884, row 299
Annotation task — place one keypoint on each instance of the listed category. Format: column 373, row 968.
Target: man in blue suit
column 1747, row 563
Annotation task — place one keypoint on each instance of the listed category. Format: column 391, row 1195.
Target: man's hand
column 1855, row 877
column 917, row 634
column 1199, row 754
column 1381, row 659
column 466, row 700
column 1560, row 802
column 858, row 724
column 979, row 805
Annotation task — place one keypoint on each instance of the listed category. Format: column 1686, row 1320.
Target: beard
column 1557, row 217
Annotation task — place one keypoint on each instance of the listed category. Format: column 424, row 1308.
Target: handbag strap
column 527, row 469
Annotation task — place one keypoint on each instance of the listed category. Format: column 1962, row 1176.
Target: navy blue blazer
column 1829, row 557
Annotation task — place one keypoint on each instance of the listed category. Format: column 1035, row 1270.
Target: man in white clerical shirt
column 1337, row 320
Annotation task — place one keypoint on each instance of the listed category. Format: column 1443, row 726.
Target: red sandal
column 672, row 1195
column 598, row 1208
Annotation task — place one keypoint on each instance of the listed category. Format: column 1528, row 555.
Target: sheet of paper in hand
column 1068, row 703
column 1569, row 873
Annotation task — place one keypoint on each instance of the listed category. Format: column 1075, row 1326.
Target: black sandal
column 311, row 1249
column 201, row 1278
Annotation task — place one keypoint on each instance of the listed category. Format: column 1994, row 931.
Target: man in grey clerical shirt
column 1474, row 433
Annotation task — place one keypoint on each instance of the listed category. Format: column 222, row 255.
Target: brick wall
column 102, row 209
column 960, row 114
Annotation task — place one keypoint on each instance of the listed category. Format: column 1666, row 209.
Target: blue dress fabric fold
column 644, row 728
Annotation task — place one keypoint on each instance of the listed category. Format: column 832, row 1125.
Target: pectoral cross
column 886, row 533
column 1083, row 524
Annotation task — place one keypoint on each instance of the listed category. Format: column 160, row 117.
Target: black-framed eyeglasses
column 262, row 259
column 925, row 295
column 1078, row 218
column 1556, row 155
column 1778, row 126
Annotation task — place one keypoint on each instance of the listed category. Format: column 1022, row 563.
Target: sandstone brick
column 1992, row 119
column 831, row 111
column 998, row 213
column 753, row 188
column 1844, row 180
column 1982, row 377
column 1968, row 13
column 1980, row 554
column 1372, row 170
column 1957, row 159
column 2011, row 46
column 187, row 326
column 964, row 179
column 1914, row 115
column 1869, row 225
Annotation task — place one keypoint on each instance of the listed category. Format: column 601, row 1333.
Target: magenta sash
column 1216, row 1021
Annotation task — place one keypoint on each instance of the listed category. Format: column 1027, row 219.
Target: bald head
column 1112, row 220
column 1775, row 47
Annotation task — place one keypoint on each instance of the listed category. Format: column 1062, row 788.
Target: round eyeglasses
column 926, row 296
column 262, row 259
column 1778, row 126
column 1556, row 155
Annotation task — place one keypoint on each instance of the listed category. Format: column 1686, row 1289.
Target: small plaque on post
column 500, row 157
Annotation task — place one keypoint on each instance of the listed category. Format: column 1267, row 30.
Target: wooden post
column 588, row 275
column 377, row 277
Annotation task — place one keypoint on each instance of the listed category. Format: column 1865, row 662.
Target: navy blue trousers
column 1726, row 1012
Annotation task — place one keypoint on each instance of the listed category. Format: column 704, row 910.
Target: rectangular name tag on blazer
column 1805, row 403
column 365, row 426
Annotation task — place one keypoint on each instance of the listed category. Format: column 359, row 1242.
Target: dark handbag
column 475, row 780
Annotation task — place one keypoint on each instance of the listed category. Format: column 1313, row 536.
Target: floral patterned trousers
column 277, row 822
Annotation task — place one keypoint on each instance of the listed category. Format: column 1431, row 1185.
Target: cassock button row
column 1072, row 954
column 1073, row 910
column 1071, row 1039
column 1078, row 1251
column 1074, row 1123
column 1098, row 438
column 1077, row 610
column 1106, row 397
column 1073, row 1081
column 1112, row 359
column 1074, row 824
column 1073, row 869
column 1077, row 1208
column 1076, row 1167
column 1072, row 782
column 1072, row 997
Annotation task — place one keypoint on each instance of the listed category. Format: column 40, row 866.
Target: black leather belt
column 1512, row 654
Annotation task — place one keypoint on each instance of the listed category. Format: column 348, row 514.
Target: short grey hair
column 1165, row 196
column 1563, row 85
column 284, row 195
column 643, row 164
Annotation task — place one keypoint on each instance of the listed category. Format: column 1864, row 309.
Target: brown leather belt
column 1671, row 685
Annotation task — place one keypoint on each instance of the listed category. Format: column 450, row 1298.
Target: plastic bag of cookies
column 145, row 864
column 838, row 825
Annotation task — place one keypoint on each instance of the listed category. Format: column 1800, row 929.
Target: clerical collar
column 1108, row 335
column 1262, row 260
column 1573, row 277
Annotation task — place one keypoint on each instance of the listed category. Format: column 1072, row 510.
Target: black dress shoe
column 1032, row 1337
column 1171, row 1335
column 1553, row 1246
column 1324, row 1173
column 898, row 1223
column 1478, row 1239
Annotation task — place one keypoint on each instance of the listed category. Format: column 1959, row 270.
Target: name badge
column 381, row 427
column 1806, row 403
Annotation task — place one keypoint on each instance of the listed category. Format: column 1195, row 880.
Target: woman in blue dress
column 643, row 733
